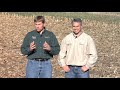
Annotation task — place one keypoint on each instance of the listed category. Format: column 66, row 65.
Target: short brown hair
column 39, row 19
column 77, row 20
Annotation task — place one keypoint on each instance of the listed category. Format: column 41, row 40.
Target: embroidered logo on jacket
column 46, row 37
column 33, row 37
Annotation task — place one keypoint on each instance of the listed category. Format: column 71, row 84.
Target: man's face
column 76, row 27
column 39, row 26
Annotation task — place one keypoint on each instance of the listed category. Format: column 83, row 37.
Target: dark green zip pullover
column 39, row 40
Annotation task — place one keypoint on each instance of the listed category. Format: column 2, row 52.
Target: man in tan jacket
column 78, row 52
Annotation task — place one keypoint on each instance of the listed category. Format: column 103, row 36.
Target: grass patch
column 108, row 18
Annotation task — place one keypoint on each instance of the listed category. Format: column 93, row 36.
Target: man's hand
column 84, row 68
column 32, row 46
column 46, row 46
column 66, row 68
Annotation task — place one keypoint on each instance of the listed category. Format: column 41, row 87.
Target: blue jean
column 39, row 69
column 76, row 72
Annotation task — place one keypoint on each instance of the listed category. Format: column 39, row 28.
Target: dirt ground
column 13, row 29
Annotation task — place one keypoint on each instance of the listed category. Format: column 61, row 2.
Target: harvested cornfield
column 13, row 29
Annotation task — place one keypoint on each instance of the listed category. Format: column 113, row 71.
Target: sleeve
column 62, row 54
column 55, row 47
column 25, row 47
column 92, row 53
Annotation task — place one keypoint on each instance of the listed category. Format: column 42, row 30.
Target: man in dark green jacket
column 39, row 45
